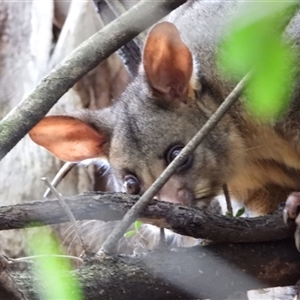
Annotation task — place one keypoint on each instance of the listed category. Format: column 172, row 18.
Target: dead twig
column 67, row 211
column 63, row 171
column 227, row 199
column 29, row 259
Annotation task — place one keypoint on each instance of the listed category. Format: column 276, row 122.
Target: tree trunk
column 29, row 50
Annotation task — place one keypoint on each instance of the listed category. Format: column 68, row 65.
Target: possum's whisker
column 67, row 237
column 105, row 229
column 207, row 192
column 67, row 230
column 85, row 223
column 82, row 227
column 70, row 228
column 86, row 226
column 71, row 244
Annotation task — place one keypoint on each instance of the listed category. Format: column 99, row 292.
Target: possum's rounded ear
column 69, row 138
column 168, row 62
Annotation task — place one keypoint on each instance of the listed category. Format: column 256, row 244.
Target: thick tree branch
column 214, row 271
column 83, row 59
column 130, row 53
column 183, row 220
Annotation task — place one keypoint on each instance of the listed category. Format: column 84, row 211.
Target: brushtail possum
column 177, row 89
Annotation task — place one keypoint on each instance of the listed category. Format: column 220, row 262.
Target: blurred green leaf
column 137, row 225
column 55, row 280
column 255, row 44
column 240, row 212
column 130, row 233
column 229, row 214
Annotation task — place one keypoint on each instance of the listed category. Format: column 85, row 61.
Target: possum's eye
column 132, row 184
column 171, row 154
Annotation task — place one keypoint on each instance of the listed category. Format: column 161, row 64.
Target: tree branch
column 214, row 271
column 83, row 59
column 181, row 219
column 130, row 53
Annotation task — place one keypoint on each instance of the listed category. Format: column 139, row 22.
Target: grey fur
column 141, row 127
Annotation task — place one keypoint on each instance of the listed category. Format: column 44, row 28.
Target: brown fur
column 271, row 159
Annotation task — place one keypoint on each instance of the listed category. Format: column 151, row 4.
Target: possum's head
column 157, row 115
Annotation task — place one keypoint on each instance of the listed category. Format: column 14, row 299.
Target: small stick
column 67, row 210
column 110, row 244
column 227, row 199
column 64, row 170
column 118, row 9
column 162, row 239
column 30, row 258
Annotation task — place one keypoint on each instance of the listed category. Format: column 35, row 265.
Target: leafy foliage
column 255, row 43
column 55, row 281
column 239, row 213
column 137, row 226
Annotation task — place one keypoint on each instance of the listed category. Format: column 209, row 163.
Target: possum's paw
column 292, row 211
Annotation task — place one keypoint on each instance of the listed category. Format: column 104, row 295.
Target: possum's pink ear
column 69, row 138
column 167, row 62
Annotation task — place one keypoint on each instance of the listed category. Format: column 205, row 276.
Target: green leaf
column 240, row 212
column 255, row 44
column 130, row 233
column 229, row 214
column 137, row 225
column 55, row 280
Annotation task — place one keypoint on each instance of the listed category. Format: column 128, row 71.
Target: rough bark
column 214, row 271
column 181, row 219
column 28, row 51
column 25, row 37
